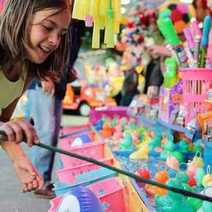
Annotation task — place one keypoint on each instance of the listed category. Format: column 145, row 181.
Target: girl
column 32, row 45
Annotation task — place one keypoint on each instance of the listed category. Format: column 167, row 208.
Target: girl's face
column 45, row 33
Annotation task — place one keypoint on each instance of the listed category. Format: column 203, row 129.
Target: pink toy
column 97, row 114
column 191, row 171
column 172, row 163
column 135, row 136
column 196, row 83
column 118, row 135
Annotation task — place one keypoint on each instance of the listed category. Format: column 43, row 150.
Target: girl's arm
column 28, row 176
column 17, row 130
column 13, row 150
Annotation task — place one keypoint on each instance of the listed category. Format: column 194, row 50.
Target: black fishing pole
column 3, row 138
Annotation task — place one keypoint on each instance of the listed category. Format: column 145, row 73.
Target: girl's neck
column 13, row 71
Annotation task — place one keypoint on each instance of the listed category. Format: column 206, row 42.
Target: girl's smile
column 45, row 33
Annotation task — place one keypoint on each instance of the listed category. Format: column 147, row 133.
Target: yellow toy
column 104, row 15
column 141, row 153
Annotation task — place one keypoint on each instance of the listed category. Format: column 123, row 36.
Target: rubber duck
column 141, row 153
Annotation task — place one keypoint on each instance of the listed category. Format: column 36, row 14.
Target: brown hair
column 14, row 23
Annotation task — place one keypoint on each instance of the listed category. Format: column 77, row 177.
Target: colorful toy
column 170, row 75
column 172, row 163
column 207, row 179
column 83, row 98
column 169, row 103
column 106, row 131
column 199, row 175
column 127, row 142
column 162, row 176
column 141, row 153
column 144, row 172
column 103, row 15
column 80, row 199
column 183, row 146
column 179, row 13
column 194, row 98
column 207, row 206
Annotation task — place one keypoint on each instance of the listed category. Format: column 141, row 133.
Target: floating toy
column 141, row 153
column 80, row 199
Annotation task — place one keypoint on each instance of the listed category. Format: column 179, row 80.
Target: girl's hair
column 15, row 19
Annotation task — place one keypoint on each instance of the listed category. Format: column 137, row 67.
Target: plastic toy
column 182, row 177
column 118, row 134
column 170, row 75
column 135, row 136
column 207, row 179
column 167, row 29
column 127, row 142
column 194, row 101
column 162, row 176
column 172, row 163
column 178, row 155
column 197, row 160
column 80, row 199
column 83, row 98
column 192, row 181
column 144, row 172
column 106, row 131
column 155, row 142
column 200, row 173
column 169, row 102
column 183, row 146
column 104, row 15
column 180, row 13
column 141, row 153
column 207, row 206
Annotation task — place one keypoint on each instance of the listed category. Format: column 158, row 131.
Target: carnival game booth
column 116, row 193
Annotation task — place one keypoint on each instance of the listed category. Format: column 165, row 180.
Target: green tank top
column 9, row 91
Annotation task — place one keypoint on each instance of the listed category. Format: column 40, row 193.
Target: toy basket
column 111, row 193
column 95, row 150
column 68, row 175
column 74, row 130
column 110, row 112
column 196, row 84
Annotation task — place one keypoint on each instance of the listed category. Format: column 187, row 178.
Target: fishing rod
column 3, row 138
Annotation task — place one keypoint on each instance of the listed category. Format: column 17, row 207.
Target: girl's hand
column 28, row 176
column 19, row 130
column 153, row 91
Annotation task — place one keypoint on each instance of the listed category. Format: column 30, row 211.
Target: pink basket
column 196, row 83
column 74, row 129
column 111, row 112
column 69, row 175
column 111, row 194
column 109, row 191
column 94, row 150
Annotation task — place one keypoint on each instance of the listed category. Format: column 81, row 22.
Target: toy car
column 83, row 98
